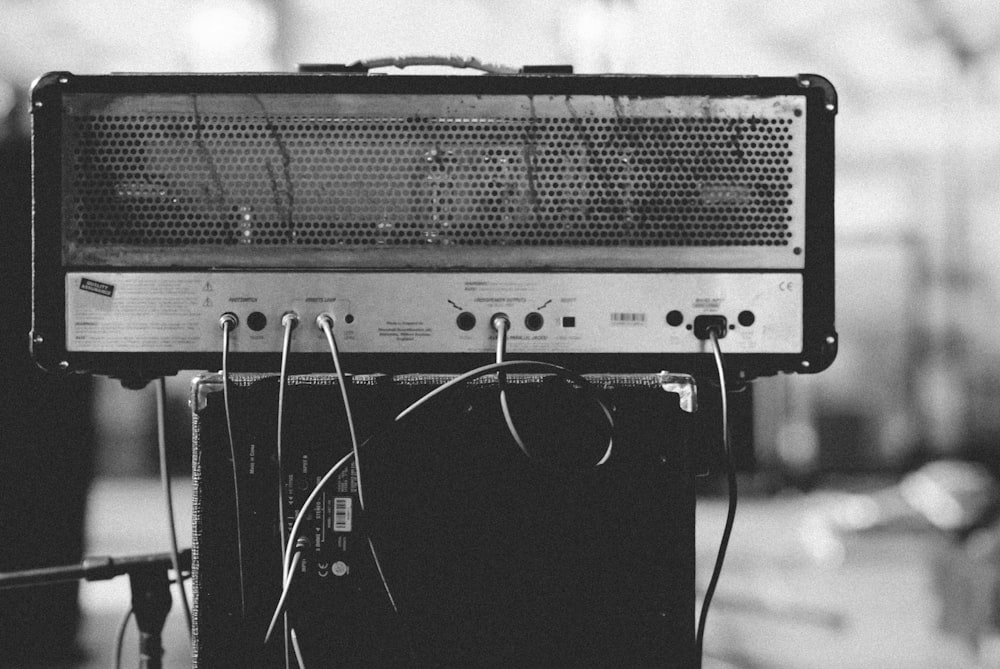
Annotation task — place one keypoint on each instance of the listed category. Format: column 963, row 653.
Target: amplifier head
column 603, row 213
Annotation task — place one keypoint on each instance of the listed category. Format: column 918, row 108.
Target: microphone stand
column 150, row 591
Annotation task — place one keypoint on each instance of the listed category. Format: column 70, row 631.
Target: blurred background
column 866, row 537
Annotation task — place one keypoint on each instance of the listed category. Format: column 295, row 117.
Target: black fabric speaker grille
column 165, row 180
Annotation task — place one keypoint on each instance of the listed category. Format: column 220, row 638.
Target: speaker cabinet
column 492, row 558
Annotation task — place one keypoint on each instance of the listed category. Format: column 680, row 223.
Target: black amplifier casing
column 517, row 173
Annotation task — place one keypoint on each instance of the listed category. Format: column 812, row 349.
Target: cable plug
column 229, row 321
column 706, row 323
column 499, row 320
column 325, row 319
column 289, row 319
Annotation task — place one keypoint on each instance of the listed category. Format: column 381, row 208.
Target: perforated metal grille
column 241, row 179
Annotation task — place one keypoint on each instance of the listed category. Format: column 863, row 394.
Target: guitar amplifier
column 492, row 559
column 613, row 218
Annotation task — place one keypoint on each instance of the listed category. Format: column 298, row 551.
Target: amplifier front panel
column 408, row 312
column 397, row 181
column 604, row 214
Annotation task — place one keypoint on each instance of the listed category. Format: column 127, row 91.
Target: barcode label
column 628, row 317
column 342, row 514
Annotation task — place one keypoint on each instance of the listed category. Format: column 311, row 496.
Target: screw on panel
column 63, row 364
column 38, row 339
column 831, row 340
column 63, row 80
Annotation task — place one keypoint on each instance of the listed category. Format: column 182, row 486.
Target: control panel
column 402, row 312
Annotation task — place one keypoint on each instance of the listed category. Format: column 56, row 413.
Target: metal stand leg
column 150, row 605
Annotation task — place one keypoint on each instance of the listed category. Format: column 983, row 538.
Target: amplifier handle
column 363, row 66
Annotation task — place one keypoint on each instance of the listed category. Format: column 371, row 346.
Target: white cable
column 286, row 588
column 168, row 496
column 509, row 364
column 381, row 575
column 298, row 651
column 310, row 500
column 471, row 374
column 227, row 325
column 287, row 560
column 502, row 325
column 325, row 323
column 288, row 322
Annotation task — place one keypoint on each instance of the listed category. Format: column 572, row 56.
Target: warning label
column 403, row 331
column 146, row 312
column 91, row 286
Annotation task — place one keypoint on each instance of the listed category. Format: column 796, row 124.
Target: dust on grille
column 176, row 179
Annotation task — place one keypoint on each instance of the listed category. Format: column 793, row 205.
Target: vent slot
column 249, row 180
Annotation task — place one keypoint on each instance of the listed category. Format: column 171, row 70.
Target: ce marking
column 786, row 286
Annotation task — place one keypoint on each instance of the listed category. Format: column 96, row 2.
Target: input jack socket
column 229, row 320
column 498, row 318
column 326, row 318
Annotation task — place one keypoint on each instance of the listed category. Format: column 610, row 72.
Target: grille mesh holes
column 167, row 180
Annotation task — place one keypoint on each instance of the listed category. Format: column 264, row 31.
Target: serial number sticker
column 628, row 318
column 342, row 513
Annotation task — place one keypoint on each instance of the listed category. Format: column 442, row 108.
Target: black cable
column 120, row 643
column 161, row 434
column 731, row 513
column 123, row 628
column 228, row 322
